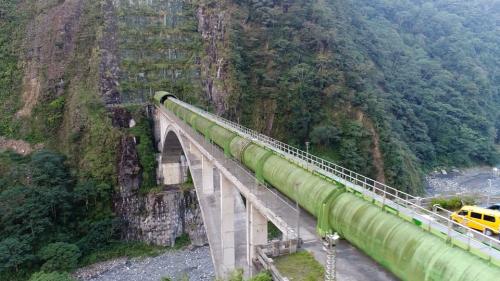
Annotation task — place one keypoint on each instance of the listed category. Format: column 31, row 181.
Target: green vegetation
column 48, row 219
column 89, row 141
column 387, row 88
column 143, row 132
column 272, row 231
column 454, row 203
column 182, row 241
column 263, row 276
column 300, row 266
column 12, row 22
column 52, row 276
column 237, row 275
column 118, row 249
column 188, row 184
column 159, row 52
column 59, row 256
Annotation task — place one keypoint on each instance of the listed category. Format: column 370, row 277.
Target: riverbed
column 188, row 264
column 472, row 180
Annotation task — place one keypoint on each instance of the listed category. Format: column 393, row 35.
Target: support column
column 161, row 133
column 208, row 175
column 194, row 151
column 256, row 231
column 227, row 224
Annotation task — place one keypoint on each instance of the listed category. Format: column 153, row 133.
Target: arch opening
column 173, row 166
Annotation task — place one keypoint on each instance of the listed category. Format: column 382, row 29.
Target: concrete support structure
column 227, row 191
column 208, row 175
column 256, row 231
column 197, row 154
column 173, row 173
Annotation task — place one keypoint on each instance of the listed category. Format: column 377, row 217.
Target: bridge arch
column 173, row 167
column 447, row 265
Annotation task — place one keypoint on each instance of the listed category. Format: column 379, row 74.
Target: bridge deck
column 406, row 205
column 352, row 263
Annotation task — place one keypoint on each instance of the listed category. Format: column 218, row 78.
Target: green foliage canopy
column 417, row 80
column 46, row 213
column 52, row 276
column 59, row 256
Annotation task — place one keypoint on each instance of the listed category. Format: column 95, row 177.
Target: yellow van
column 481, row 219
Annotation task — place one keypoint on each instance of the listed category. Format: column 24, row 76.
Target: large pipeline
column 400, row 246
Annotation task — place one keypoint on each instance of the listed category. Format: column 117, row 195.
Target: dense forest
column 56, row 210
column 387, row 88
column 390, row 89
column 47, row 218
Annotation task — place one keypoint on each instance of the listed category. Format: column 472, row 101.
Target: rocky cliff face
column 129, row 168
column 160, row 217
column 49, row 47
column 212, row 24
column 109, row 67
column 68, row 95
column 154, row 217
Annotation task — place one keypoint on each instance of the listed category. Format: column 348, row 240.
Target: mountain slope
column 415, row 80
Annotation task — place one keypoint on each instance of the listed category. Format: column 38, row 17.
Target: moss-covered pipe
column 402, row 247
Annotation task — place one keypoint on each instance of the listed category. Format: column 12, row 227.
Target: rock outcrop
column 120, row 117
column 109, row 70
column 160, row 217
column 212, row 24
column 153, row 217
column 129, row 168
column 18, row 146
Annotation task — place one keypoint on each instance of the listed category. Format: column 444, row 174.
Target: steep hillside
column 76, row 77
column 389, row 89
column 52, row 96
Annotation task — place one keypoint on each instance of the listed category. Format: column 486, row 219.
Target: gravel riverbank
column 196, row 264
column 473, row 180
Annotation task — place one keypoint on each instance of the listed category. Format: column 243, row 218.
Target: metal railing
column 273, row 201
column 274, row 249
column 405, row 204
column 493, row 244
column 479, row 199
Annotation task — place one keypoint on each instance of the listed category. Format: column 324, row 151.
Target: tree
column 59, row 256
column 325, row 135
column 13, row 253
column 37, row 199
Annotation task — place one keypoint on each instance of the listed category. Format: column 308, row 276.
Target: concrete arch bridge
column 244, row 180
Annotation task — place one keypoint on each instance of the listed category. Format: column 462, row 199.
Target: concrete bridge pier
column 256, row 231
column 227, row 189
column 207, row 175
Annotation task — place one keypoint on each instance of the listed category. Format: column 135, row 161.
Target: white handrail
column 390, row 196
